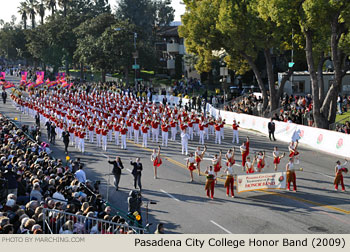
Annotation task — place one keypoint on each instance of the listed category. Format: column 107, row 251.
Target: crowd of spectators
column 296, row 109
column 344, row 128
column 32, row 183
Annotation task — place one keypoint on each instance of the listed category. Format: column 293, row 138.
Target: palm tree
column 22, row 9
column 31, row 10
column 51, row 4
column 64, row 4
column 40, row 9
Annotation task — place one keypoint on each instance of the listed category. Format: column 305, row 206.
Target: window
column 298, row 86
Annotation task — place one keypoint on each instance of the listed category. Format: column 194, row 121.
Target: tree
column 164, row 13
column 64, row 4
column 145, row 15
column 31, row 6
column 51, row 4
column 40, row 9
column 235, row 27
column 22, row 10
column 324, row 26
column 89, row 49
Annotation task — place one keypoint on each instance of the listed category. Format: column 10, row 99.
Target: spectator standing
column 4, row 96
column 271, row 126
column 48, row 129
column 65, row 137
column 37, row 119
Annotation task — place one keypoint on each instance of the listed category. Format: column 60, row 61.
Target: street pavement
column 183, row 206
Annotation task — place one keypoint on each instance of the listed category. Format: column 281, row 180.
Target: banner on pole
column 261, row 181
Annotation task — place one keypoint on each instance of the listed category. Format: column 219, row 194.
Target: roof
column 167, row 31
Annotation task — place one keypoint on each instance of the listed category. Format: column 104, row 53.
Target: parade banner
column 261, row 181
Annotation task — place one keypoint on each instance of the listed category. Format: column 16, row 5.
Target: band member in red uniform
column 261, row 161
column 98, row 135
column 165, row 134
column 173, row 129
column 217, row 133
column 91, row 133
column 123, row 132
column 116, row 128
column 244, row 148
column 277, row 157
column 199, row 157
column 201, row 132
column 155, row 129
column 210, row 183
column 136, row 127
column 157, row 161
column 230, row 157
column 339, row 169
column 190, row 165
column 235, row 132
column 291, row 174
column 217, row 163
column 249, row 166
column 144, row 130
column 104, row 133
column 82, row 140
column 229, row 183
column 293, row 151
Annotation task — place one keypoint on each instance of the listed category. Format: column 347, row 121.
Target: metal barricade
column 60, row 222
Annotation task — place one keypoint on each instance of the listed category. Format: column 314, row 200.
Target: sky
column 9, row 8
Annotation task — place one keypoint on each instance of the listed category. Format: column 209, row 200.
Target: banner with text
column 261, row 181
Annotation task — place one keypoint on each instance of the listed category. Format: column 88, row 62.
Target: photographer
column 134, row 205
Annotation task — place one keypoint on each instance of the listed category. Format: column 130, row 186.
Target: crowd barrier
column 53, row 220
column 332, row 142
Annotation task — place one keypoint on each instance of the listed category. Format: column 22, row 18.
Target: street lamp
column 135, row 55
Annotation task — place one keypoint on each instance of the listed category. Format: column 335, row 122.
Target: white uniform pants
column 173, row 133
column 235, row 136
column 98, row 138
column 91, row 136
column 222, row 133
column 116, row 135
column 129, row 133
column 136, row 136
column 123, row 142
column 190, row 132
column 110, row 135
column 144, row 139
column 71, row 136
column 217, row 136
column 206, row 133
column 82, row 145
column 184, row 147
column 165, row 138
column 104, row 143
column 201, row 137
column 155, row 134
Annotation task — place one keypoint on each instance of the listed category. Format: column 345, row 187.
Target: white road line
column 171, row 196
column 129, row 170
column 220, row 227
column 105, row 155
